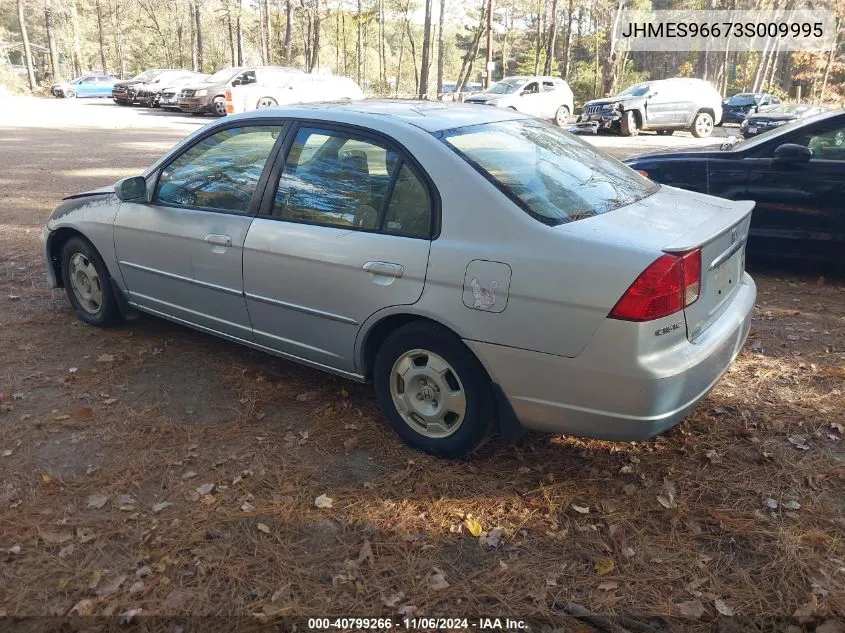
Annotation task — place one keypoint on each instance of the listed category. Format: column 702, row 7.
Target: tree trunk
column 315, row 47
column 358, row 55
column 268, row 38
column 830, row 57
column 77, row 49
column 193, row 24
column 232, row 54
column 382, row 45
column 550, row 50
column 441, row 48
column 102, row 39
column 51, row 40
column 27, row 53
column 262, row 43
column 537, row 38
column 343, row 38
column 472, row 52
column 422, row 90
column 567, row 46
column 609, row 74
column 200, row 64
column 118, row 37
column 413, row 50
column 288, row 32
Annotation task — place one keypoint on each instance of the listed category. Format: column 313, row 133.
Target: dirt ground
column 150, row 467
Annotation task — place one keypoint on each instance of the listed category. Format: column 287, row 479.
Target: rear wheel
column 702, row 126
column 266, row 102
column 88, row 283
column 562, row 116
column 628, row 125
column 70, row 93
column 433, row 390
column 219, row 104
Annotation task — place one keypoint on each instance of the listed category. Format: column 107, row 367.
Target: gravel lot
column 153, row 467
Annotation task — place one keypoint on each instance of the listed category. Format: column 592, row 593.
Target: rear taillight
column 668, row 285
column 230, row 107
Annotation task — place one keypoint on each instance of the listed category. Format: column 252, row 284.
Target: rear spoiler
column 714, row 227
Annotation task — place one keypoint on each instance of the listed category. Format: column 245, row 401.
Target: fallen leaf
column 791, row 505
column 307, row 396
column 263, row 528
column 323, row 502
column 96, row 576
column 85, row 413
column 723, row 607
column 126, row 502
column 14, row 549
column 691, row 610
column 136, row 587
column 62, row 418
column 97, row 501
column 581, row 509
column 85, row 534
column 109, row 401
column 772, row 503
column 161, row 505
column 609, row 585
column 64, row 583
column 72, row 370
column 206, row 489
column 799, row 442
column 493, row 537
column 667, row 497
column 366, row 553
column 55, row 538
column 127, row 616
column 83, row 608
column 350, row 443
column 111, row 586
column 437, row 580
column 247, row 507
column 713, row 456
column 7, row 453
column 473, row 526
column 393, row 600
column 604, row 566
column 806, row 612
column 830, row 626
column 189, row 475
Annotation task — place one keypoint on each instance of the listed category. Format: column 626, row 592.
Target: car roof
column 431, row 116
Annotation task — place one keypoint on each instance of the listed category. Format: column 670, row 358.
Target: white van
column 290, row 89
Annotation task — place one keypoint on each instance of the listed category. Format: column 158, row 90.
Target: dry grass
column 166, row 401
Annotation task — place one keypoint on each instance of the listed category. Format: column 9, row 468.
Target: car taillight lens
column 668, row 285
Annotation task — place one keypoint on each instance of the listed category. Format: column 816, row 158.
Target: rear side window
column 219, row 172
column 555, row 177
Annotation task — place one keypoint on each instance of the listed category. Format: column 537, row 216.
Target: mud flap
column 509, row 427
column 127, row 311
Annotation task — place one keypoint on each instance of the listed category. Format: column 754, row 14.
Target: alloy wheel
column 703, row 125
column 85, row 283
column 428, row 393
column 266, row 102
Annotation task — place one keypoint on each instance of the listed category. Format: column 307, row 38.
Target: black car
column 775, row 117
column 149, row 94
column 125, row 92
column 739, row 106
column 795, row 174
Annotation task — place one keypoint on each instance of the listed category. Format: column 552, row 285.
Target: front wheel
column 562, row 116
column 70, row 93
column 219, row 104
column 266, row 102
column 702, row 126
column 88, row 283
column 628, row 125
column 433, row 390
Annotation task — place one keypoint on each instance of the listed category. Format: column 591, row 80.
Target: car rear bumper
column 612, row 390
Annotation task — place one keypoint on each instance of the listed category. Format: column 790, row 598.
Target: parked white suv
column 291, row 89
column 544, row 97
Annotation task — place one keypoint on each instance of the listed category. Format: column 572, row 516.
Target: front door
column 800, row 204
column 344, row 232
column 181, row 254
column 531, row 99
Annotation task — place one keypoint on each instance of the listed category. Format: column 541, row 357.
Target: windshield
column 635, row 91
column 222, row 76
column 754, row 141
column 789, row 108
column 147, row 75
column 555, row 177
column 506, row 86
column 742, row 100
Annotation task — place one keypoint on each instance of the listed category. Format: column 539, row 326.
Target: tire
column 702, row 125
column 70, row 93
column 219, row 105
column 423, row 348
column 628, row 124
column 665, row 132
column 562, row 116
column 80, row 255
column 266, row 102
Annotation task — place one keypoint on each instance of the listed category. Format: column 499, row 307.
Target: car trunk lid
column 676, row 221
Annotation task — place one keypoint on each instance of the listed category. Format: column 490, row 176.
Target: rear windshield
column 554, row 176
column 742, row 100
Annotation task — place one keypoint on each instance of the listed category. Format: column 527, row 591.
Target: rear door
column 531, row 99
column 180, row 254
column 344, row 232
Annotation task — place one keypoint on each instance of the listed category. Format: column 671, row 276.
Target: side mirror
column 130, row 189
column 236, row 82
column 792, row 153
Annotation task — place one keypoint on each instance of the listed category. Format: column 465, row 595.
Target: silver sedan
column 485, row 270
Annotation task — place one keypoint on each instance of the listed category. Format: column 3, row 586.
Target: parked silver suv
column 210, row 95
column 544, row 97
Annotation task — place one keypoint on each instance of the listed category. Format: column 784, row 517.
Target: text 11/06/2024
column 417, row 623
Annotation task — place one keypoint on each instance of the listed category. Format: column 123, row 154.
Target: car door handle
column 384, row 268
column 218, row 240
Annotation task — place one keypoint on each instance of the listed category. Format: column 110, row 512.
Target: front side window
column 220, row 171
column 552, row 175
column 531, row 89
column 335, row 179
column 549, row 86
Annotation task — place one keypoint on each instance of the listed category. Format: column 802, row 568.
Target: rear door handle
column 218, row 240
column 385, row 269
